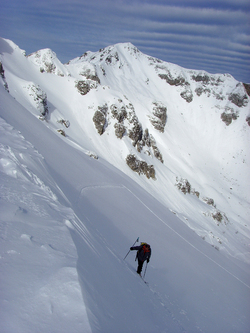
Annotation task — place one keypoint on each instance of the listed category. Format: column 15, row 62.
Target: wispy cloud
column 214, row 35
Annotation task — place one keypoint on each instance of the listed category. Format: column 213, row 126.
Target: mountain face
column 181, row 134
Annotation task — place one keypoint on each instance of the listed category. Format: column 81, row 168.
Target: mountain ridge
column 71, row 206
column 164, row 126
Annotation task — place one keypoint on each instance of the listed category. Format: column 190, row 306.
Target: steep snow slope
column 39, row 281
column 192, row 287
column 185, row 130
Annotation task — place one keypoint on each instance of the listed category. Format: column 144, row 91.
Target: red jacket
column 144, row 251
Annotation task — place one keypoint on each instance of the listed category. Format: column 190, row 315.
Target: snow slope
column 68, row 219
column 201, row 140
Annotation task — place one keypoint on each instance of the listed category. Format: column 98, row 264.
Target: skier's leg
column 139, row 269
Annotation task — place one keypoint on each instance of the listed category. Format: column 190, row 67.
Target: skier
column 143, row 253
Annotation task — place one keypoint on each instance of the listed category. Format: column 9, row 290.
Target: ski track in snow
column 164, row 222
column 82, row 231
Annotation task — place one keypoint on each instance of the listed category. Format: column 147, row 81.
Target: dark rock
column 238, row 99
column 83, row 87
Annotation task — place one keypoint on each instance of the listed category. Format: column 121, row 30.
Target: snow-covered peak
column 7, row 46
column 115, row 57
column 48, row 62
column 126, row 145
column 165, row 126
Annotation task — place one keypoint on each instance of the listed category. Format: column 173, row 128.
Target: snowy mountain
column 112, row 146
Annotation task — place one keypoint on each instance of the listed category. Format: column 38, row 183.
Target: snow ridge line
column 85, row 188
column 186, row 239
column 101, row 186
column 82, row 231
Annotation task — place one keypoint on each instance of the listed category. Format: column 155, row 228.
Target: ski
column 143, row 279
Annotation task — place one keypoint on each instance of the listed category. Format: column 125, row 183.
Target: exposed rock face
column 135, row 134
column 99, row 118
column 239, row 100
column 1, row 70
column 208, row 85
column 160, row 116
column 120, row 114
column 64, row 122
column 141, row 167
column 177, row 81
column 228, row 116
column 187, row 95
column 48, row 62
column 3, row 77
column 248, row 120
column 86, row 75
column 247, row 88
column 149, row 141
column 89, row 75
column 183, row 185
column 209, row 201
column 38, row 99
column 120, row 130
column 204, row 78
column 62, row 132
column 83, row 87
column 127, row 123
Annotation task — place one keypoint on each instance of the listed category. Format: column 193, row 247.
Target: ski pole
column 131, row 246
column 145, row 270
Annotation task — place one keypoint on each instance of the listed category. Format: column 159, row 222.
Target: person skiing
column 143, row 253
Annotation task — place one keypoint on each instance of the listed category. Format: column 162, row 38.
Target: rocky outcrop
column 183, row 185
column 159, row 116
column 82, row 86
column 141, row 167
column 120, row 130
column 229, row 115
column 48, row 62
column 127, row 123
column 90, row 79
column 3, row 77
column 238, row 99
column 38, row 99
column 173, row 81
column 208, row 85
column 248, row 120
column 64, row 122
column 178, row 80
column 99, row 118
column 89, row 75
column 187, row 95
column 247, row 88
column 205, row 79
column 148, row 141
column 120, row 114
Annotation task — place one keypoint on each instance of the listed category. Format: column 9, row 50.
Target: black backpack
column 145, row 248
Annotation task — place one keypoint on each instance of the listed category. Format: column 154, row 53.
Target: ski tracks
column 185, row 240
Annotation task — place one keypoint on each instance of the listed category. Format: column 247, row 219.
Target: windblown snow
column 113, row 146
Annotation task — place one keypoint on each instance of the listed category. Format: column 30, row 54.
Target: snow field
column 68, row 220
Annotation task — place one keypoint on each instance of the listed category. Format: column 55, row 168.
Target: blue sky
column 211, row 35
